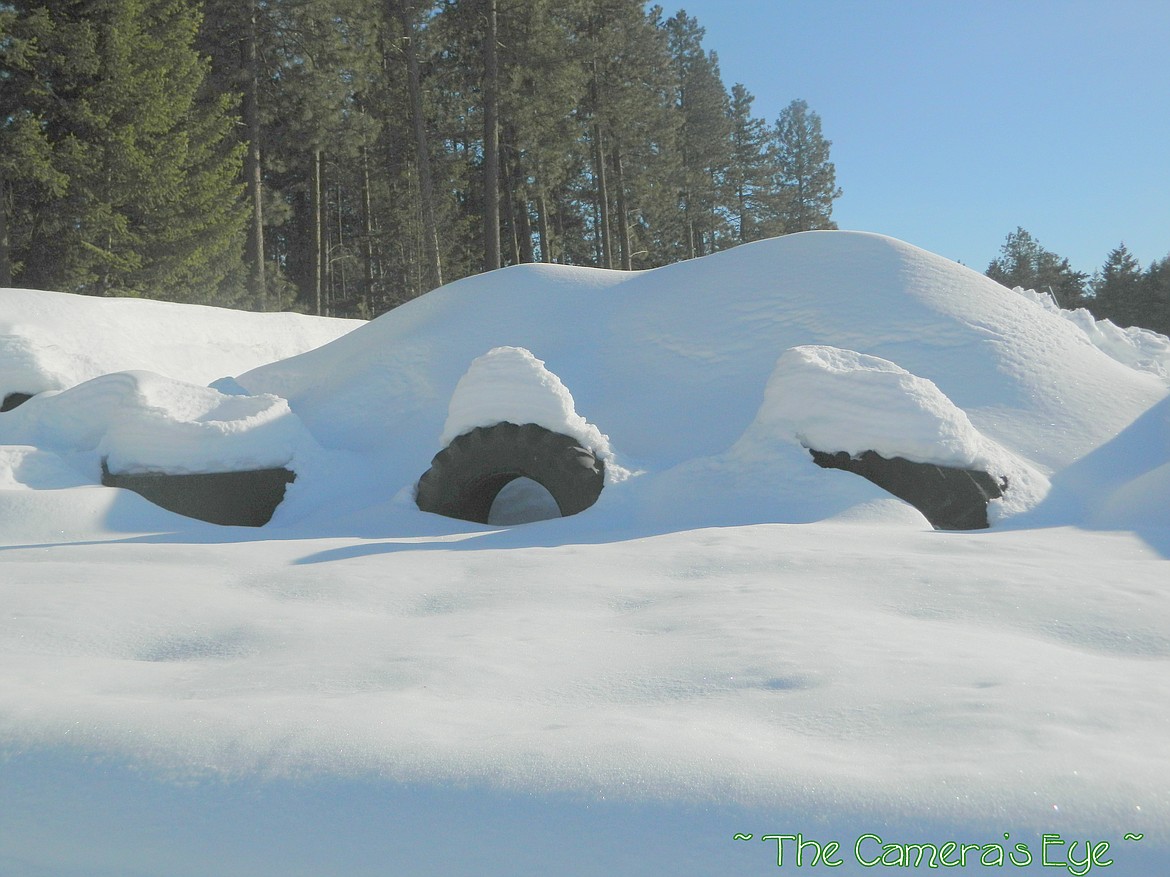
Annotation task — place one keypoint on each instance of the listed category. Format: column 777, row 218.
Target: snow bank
column 142, row 422
column 833, row 400
column 678, row 367
column 28, row 468
column 1138, row 348
column 509, row 384
column 54, row 340
column 840, row 400
column 673, row 363
column 782, row 646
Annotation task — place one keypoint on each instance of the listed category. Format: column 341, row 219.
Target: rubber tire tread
column 465, row 477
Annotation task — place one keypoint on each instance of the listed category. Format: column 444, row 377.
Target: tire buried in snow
column 467, row 475
column 231, row 499
column 948, row 497
column 12, row 400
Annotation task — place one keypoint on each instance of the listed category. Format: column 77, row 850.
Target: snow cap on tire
column 509, row 384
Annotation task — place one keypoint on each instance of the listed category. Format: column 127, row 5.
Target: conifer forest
column 341, row 157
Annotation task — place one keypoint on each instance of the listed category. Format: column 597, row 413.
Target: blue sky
column 955, row 122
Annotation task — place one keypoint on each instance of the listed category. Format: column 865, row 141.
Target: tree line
column 1120, row 291
column 344, row 156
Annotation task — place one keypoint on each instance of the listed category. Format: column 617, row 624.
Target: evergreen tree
column 1023, row 262
column 142, row 195
column 28, row 177
column 749, row 171
column 543, row 82
column 1118, row 292
column 635, row 108
column 426, row 194
column 630, row 113
column 704, row 133
column 367, row 135
column 1156, row 296
column 806, row 179
column 238, row 35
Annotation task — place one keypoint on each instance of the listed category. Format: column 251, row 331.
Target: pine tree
column 749, row 172
column 237, row 35
column 1118, row 291
column 806, row 179
column 1024, row 263
column 147, row 200
column 1156, row 295
column 632, row 112
column 28, row 177
column 542, row 83
column 426, row 196
column 365, row 128
column 704, row 132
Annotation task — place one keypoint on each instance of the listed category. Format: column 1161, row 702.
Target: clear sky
column 953, row 123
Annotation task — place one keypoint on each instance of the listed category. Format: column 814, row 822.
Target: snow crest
column 56, row 340
column 834, row 400
column 1140, row 349
column 143, row 422
column 509, row 384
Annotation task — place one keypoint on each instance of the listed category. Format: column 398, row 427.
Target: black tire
column 14, row 399
column 466, row 476
column 231, row 499
column 950, row 498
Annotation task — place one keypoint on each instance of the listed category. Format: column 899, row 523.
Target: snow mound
column 55, row 340
column 840, row 400
column 891, row 349
column 673, row 362
column 23, row 467
column 834, row 400
column 509, row 384
column 736, row 631
column 1124, row 484
column 1134, row 346
column 142, row 422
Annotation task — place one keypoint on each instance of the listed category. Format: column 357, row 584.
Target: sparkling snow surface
column 730, row 641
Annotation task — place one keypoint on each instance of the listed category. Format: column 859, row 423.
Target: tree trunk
column 343, row 283
column 622, row 209
column 491, row 142
column 520, row 221
column 253, row 170
column 524, row 221
column 316, row 224
column 602, row 198
column 510, row 214
column 741, row 200
column 542, row 224
column 433, row 274
column 5, row 250
column 367, row 239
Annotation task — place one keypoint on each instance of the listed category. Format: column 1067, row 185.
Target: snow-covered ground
column 731, row 641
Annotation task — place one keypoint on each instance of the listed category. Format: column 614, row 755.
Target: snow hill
column 731, row 640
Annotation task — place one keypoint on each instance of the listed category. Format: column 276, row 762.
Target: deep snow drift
column 730, row 640
column 50, row 341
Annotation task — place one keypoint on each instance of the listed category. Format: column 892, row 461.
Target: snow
column 510, row 385
column 731, row 640
column 52, row 341
column 142, row 422
column 835, row 400
column 1136, row 347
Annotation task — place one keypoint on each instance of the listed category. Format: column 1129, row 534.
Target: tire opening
column 522, row 501
column 467, row 477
